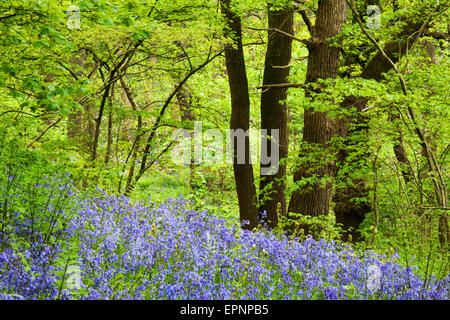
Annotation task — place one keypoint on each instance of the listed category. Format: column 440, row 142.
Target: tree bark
column 274, row 111
column 318, row 128
column 240, row 117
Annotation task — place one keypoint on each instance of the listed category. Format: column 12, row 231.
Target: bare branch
column 304, row 41
column 281, row 85
column 290, row 63
column 43, row 132
column 306, row 20
column 351, row 4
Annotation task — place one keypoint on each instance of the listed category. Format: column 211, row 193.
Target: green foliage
column 321, row 227
column 29, row 194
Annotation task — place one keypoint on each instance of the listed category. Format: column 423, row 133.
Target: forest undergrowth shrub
column 37, row 206
column 301, row 226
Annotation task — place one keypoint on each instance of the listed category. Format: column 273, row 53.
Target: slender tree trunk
column 314, row 199
column 110, row 80
column 136, row 142
column 240, row 117
column 274, row 111
column 184, row 98
column 110, row 127
column 98, row 119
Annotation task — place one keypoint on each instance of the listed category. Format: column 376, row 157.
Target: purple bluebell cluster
column 129, row 250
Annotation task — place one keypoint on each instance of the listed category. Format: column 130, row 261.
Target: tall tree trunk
column 314, row 199
column 274, row 111
column 348, row 212
column 240, row 117
column 352, row 200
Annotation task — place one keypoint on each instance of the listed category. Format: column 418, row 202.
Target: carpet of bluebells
column 107, row 247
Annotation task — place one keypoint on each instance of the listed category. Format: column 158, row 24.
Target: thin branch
column 163, row 110
column 73, row 74
column 152, row 8
column 159, row 155
column 43, row 132
column 290, row 63
column 253, row 44
column 351, row 4
column 304, row 41
column 281, row 85
column 19, row 111
column 185, row 54
column 306, row 20
column 419, row 33
column 8, row 16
